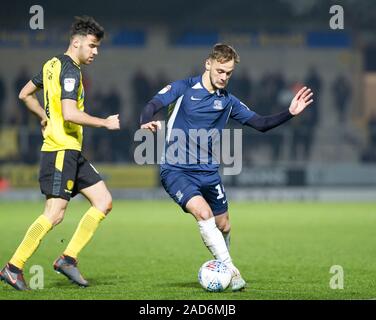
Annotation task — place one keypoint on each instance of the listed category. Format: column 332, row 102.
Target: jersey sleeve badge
column 69, row 84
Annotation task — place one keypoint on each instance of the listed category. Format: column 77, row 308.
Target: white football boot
column 237, row 282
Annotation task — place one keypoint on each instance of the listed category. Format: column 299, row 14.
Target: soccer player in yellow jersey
column 64, row 171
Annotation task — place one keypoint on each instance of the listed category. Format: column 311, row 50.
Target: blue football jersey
column 194, row 108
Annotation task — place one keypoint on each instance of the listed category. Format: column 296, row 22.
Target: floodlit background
column 327, row 153
column 322, row 164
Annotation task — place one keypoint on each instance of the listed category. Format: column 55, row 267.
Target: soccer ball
column 214, row 276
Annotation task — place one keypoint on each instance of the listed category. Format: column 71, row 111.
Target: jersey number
column 220, row 192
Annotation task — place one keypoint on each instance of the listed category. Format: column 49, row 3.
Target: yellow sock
column 84, row 232
column 31, row 241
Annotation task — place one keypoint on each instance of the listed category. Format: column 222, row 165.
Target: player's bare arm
column 28, row 96
column 72, row 114
column 301, row 100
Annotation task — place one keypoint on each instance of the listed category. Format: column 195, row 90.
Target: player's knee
column 55, row 217
column 55, row 211
column 105, row 204
column 204, row 214
column 58, row 220
column 108, row 206
column 226, row 228
column 223, row 225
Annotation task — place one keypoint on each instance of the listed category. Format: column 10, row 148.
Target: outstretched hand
column 301, row 100
column 152, row 125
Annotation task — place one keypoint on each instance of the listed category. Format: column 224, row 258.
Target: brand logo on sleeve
column 69, row 84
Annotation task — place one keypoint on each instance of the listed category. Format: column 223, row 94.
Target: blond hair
column 224, row 53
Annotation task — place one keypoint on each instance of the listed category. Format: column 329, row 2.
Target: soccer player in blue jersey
column 198, row 103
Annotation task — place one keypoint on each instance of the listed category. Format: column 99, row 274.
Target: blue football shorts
column 183, row 185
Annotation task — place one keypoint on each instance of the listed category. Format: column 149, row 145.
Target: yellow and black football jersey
column 61, row 78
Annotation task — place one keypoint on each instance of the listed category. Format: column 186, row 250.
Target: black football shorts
column 64, row 173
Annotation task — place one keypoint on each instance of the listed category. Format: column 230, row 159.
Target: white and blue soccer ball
column 214, row 276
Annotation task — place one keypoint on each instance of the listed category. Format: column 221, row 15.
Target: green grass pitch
column 152, row 250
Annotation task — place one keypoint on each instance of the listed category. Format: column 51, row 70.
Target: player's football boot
column 15, row 279
column 70, row 270
column 237, row 282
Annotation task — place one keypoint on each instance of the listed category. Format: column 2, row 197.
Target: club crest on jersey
column 165, row 89
column 69, row 84
column 218, row 105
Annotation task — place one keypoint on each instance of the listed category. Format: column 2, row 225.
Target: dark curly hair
column 86, row 25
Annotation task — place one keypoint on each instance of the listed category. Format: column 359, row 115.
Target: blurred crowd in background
column 299, row 141
column 266, row 95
